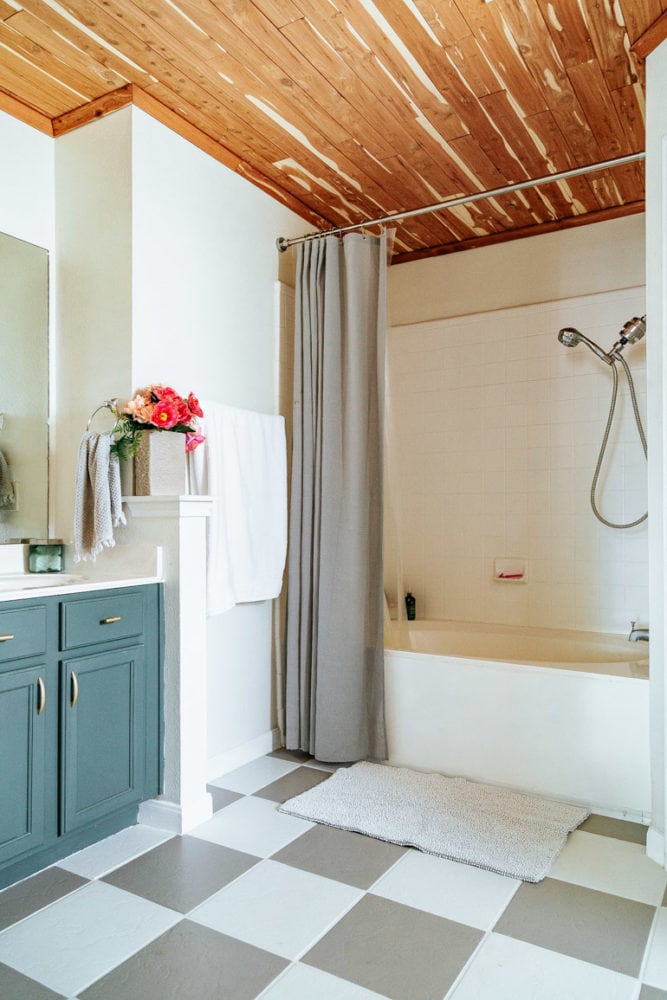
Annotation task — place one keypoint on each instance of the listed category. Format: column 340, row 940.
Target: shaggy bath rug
column 484, row 825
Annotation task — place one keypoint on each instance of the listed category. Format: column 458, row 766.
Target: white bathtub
column 561, row 713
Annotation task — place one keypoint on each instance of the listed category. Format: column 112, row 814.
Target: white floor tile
column 252, row 825
column 301, row 982
column 255, row 775
column 275, row 907
column 610, row 865
column 102, row 857
column 459, row 892
column 655, row 971
column 507, row 969
column 79, row 938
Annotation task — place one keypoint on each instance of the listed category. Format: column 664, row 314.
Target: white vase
column 159, row 464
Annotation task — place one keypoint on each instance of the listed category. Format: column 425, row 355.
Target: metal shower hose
column 605, row 439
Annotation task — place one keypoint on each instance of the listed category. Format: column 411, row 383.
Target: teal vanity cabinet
column 26, row 728
column 80, row 720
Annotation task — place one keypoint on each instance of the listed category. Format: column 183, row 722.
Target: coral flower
column 193, row 441
column 193, row 406
column 165, row 414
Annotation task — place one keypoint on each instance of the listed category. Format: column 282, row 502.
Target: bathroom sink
column 26, row 581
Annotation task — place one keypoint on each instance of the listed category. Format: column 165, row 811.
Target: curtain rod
column 282, row 244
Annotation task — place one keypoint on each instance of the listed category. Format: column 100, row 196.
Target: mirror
column 24, row 389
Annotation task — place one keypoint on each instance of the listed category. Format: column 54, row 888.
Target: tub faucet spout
column 638, row 632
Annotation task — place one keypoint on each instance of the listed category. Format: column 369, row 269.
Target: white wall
column 656, row 278
column 495, row 433
column 26, row 183
column 167, row 265
column 593, row 258
column 93, row 274
column 204, row 268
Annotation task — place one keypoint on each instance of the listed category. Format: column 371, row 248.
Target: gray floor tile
column 651, row 993
column 182, row 872
column 620, row 829
column 340, row 855
column 14, row 986
column 398, row 952
column 593, row 926
column 292, row 784
column 222, row 797
column 193, row 962
column 34, row 893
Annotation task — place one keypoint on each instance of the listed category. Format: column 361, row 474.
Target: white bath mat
column 484, row 825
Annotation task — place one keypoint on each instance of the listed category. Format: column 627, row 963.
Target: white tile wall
column 493, row 434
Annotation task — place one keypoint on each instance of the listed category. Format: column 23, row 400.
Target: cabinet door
column 102, row 718
column 23, row 762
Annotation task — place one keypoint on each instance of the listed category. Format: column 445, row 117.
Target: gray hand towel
column 97, row 502
column 6, row 484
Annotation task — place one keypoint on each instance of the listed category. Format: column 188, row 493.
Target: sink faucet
column 638, row 632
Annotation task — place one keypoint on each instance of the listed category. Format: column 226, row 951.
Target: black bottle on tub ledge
column 410, row 606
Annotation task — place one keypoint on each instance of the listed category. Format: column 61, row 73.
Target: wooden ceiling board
column 352, row 109
column 63, row 52
column 85, row 84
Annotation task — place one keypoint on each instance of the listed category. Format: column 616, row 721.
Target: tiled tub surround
column 254, row 904
column 495, row 429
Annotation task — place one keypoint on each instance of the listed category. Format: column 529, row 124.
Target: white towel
column 97, row 501
column 243, row 466
column 6, row 484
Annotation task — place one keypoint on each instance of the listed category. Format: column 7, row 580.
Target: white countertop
column 45, row 588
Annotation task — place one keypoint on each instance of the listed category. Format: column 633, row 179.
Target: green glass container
column 45, row 555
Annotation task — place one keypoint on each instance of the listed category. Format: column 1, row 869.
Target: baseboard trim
column 228, row 761
column 655, row 846
column 175, row 817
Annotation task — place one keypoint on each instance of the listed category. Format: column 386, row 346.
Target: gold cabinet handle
column 41, row 696
column 75, row 690
column 108, row 621
column 6, row 638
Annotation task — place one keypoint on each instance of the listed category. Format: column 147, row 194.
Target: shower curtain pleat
column 335, row 654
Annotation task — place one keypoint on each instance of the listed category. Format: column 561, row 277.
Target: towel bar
column 108, row 404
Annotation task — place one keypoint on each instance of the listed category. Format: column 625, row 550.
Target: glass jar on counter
column 45, row 555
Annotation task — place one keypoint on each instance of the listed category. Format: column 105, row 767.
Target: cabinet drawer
column 101, row 619
column 25, row 632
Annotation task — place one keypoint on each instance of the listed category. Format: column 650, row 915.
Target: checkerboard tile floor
column 257, row 904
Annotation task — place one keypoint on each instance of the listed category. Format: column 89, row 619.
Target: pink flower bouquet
column 157, row 407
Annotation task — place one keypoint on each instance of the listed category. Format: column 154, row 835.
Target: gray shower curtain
column 334, row 661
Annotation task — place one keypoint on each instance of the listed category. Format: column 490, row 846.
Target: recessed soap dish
column 509, row 570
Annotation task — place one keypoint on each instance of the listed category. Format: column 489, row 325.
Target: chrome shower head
column 570, row 337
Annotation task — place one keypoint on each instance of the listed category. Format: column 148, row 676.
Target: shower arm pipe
column 282, row 243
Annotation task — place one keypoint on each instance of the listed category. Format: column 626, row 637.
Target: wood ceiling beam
column 604, row 215
column 24, row 113
column 651, row 38
column 92, row 110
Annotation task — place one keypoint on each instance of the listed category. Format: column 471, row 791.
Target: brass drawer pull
column 6, row 638
column 41, row 696
column 108, row 621
column 75, row 690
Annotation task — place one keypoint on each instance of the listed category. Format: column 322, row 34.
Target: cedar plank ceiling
column 352, row 109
